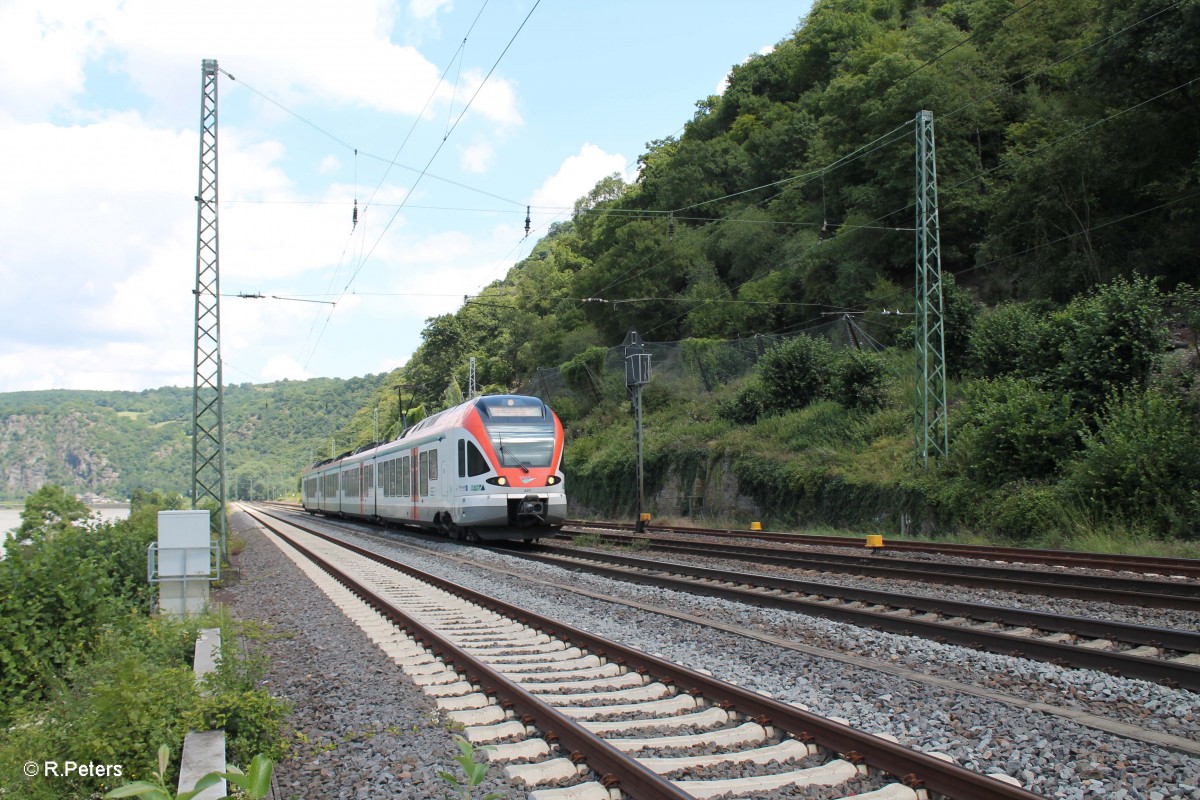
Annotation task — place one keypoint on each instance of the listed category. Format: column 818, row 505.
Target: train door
column 416, row 494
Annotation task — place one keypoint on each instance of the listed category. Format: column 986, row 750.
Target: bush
column 116, row 709
column 858, row 380
column 795, row 373
column 1141, row 463
column 1010, row 339
column 1107, row 341
column 57, row 592
column 1024, row 512
column 746, row 405
column 582, row 373
column 234, row 701
column 714, row 361
column 1010, row 429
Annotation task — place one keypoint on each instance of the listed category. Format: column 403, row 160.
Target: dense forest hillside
column 766, row 253
column 109, row 443
column 1068, row 167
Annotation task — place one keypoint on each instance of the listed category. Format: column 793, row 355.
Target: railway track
column 1147, row 565
column 1144, row 592
column 1168, row 656
column 586, row 717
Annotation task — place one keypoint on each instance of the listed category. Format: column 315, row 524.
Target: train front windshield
column 521, row 430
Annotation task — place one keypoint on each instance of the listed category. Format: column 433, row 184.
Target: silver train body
column 489, row 469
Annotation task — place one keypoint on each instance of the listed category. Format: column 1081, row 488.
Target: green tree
column 49, row 510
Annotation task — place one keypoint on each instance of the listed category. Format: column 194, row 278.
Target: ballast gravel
column 1048, row 754
column 359, row 728
column 370, row 733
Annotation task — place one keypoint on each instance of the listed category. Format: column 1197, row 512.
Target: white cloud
column 43, row 50
column 577, row 176
column 496, row 100
column 477, row 156
column 281, row 367
column 425, row 9
column 324, row 50
column 329, row 165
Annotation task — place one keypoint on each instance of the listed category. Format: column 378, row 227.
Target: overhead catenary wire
column 421, row 175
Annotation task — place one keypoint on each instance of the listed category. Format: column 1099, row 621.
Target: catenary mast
column 208, row 424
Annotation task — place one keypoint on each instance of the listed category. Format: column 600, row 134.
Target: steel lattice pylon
column 208, row 424
column 929, row 420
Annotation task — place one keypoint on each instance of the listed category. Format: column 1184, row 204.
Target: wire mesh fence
column 700, row 364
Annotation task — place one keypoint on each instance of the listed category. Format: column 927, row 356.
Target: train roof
column 442, row 420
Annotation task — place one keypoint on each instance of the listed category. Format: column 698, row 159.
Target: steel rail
column 1145, row 593
column 1175, row 674
column 616, row 768
column 914, row 768
column 1161, row 565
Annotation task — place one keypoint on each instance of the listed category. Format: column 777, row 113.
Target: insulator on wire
column 354, row 216
column 528, row 222
column 671, row 226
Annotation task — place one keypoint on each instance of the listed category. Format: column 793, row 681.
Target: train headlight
column 553, row 479
column 500, row 481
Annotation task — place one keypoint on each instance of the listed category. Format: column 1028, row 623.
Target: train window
column 390, row 479
column 423, row 473
column 462, row 458
column 433, row 468
column 406, row 476
column 476, row 463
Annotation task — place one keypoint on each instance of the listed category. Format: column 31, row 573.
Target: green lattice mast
column 208, row 424
column 929, row 420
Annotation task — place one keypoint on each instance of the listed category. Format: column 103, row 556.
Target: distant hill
column 112, row 442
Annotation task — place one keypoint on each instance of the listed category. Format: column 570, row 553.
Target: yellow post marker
column 756, row 526
column 874, row 542
column 645, row 517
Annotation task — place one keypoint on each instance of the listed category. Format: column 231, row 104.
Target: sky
column 442, row 120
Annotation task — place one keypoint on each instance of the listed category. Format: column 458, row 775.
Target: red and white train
column 489, row 469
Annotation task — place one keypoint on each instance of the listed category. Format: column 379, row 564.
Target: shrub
column 1026, row 511
column 714, row 361
column 1010, row 339
column 858, row 380
column 1141, row 462
column 1107, row 341
column 795, row 373
column 1010, row 429
column 746, row 405
column 115, row 709
column 582, row 373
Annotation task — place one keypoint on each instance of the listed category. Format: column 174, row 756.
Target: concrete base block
column 203, row 752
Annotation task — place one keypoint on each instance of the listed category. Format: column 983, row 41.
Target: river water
column 10, row 518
